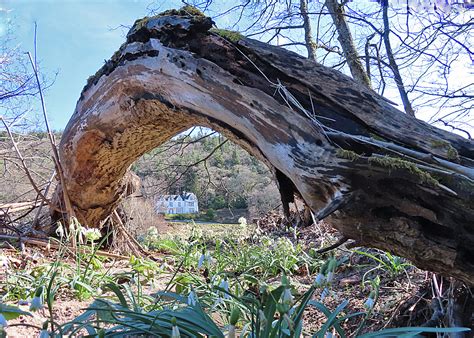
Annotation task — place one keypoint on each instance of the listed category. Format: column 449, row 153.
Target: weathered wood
column 381, row 177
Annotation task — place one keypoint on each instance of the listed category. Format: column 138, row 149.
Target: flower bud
column 319, row 280
column 37, row 301
column 192, row 298
column 43, row 334
column 234, row 315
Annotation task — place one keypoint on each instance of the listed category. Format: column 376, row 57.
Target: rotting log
column 381, row 177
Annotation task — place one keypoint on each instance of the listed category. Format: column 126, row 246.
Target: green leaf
column 12, row 312
column 413, row 331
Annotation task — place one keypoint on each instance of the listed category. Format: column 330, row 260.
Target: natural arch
column 383, row 178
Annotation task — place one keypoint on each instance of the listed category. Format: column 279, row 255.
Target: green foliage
column 391, row 264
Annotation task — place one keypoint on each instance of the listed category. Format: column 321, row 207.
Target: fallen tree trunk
column 383, row 178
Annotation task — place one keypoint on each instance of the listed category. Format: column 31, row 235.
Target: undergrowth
column 242, row 283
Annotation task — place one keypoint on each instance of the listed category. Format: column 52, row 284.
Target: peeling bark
column 381, row 177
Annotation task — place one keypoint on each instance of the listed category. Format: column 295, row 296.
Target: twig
column 59, row 170
column 45, row 244
column 338, row 243
column 25, row 167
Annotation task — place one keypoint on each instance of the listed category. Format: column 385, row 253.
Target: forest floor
column 404, row 292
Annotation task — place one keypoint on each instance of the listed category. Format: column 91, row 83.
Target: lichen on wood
column 396, row 163
column 232, row 36
column 347, row 154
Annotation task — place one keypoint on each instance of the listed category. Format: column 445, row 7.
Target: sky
column 73, row 40
column 75, row 37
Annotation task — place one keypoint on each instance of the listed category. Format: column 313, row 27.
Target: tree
column 412, row 48
column 383, row 178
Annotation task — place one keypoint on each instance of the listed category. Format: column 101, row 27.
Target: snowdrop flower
column 175, row 332
column 324, row 294
column 92, row 234
column 225, row 285
column 330, row 276
column 192, row 298
column 201, row 260
column 36, row 303
column 369, row 303
column 44, row 334
column 3, row 322
column 60, row 231
column 319, row 280
column 205, row 258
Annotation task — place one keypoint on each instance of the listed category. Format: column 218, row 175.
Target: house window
column 179, row 204
column 171, row 204
column 180, row 210
column 191, row 210
column 191, row 204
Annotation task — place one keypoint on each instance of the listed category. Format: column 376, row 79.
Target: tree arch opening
column 226, row 180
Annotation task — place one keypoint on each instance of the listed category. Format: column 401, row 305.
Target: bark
column 393, row 63
column 381, row 177
column 344, row 36
column 308, row 34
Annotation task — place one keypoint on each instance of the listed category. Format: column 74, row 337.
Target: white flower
column 36, row 303
column 205, row 258
column 242, row 221
column 324, row 293
column 369, row 303
column 92, row 234
column 60, row 231
column 44, row 334
column 175, row 332
column 330, row 276
column 319, row 280
column 192, row 298
column 3, row 322
column 225, row 285
column 287, row 297
column 201, row 260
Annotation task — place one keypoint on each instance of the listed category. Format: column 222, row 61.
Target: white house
column 185, row 203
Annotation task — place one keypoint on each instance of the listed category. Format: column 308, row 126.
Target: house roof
column 184, row 196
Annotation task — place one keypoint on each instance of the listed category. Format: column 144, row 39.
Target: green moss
column 187, row 10
column 347, row 154
column 396, row 163
column 377, row 137
column 451, row 152
column 232, row 36
column 439, row 143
